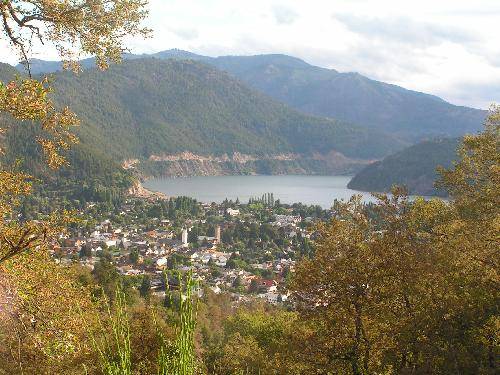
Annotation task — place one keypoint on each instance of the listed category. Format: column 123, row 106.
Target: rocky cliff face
column 190, row 164
column 137, row 190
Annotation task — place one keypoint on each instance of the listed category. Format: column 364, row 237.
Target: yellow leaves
column 50, row 314
column 26, row 100
column 76, row 28
column 261, row 342
column 407, row 280
column 17, row 237
column 48, row 311
column 474, row 181
column 13, row 185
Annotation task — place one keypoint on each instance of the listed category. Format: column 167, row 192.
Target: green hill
column 414, row 167
column 350, row 97
column 147, row 107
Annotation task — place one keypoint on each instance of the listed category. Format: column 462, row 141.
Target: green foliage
column 351, row 97
column 323, row 92
column 258, row 342
column 145, row 287
column 115, row 353
column 179, row 357
column 410, row 286
column 90, row 175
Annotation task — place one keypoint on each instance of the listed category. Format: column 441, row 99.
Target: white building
column 161, row 262
column 184, row 237
column 232, row 212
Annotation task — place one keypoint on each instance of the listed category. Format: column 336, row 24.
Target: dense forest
column 202, row 110
column 150, row 106
column 414, row 167
column 349, row 97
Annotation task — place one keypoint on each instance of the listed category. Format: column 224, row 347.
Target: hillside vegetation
column 353, row 97
column 414, row 167
column 350, row 97
column 147, row 106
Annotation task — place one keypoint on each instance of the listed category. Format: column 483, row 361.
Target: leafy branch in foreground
column 413, row 287
column 17, row 236
column 90, row 27
column 26, row 100
column 179, row 358
column 115, row 353
column 174, row 358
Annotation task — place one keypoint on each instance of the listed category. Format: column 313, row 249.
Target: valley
column 302, row 195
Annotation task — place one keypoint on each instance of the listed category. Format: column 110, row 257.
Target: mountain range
column 178, row 113
column 350, row 97
column 184, row 117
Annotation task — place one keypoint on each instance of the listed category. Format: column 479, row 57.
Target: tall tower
column 184, row 237
column 217, row 234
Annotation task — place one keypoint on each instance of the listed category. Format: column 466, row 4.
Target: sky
column 449, row 48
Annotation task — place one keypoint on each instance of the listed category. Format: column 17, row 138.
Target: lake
column 320, row 190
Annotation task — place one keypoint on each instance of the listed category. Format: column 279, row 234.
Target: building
column 217, row 234
column 232, row 212
column 184, row 237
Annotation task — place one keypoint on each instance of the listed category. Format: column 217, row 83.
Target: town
column 247, row 250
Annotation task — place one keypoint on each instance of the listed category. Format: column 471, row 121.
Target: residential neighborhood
column 247, row 250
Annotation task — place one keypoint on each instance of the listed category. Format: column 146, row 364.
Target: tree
column 107, row 276
column 472, row 233
column 49, row 314
column 134, row 256
column 96, row 28
column 86, row 251
column 75, row 28
column 259, row 343
column 231, row 263
column 46, row 315
column 237, row 282
column 254, row 286
column 474, row 179
column 145, row 288
column 410, row 286
column 341, row 297
column 193, row 235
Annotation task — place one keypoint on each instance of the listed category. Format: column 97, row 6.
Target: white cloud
column 450, row 48
column 284, row 14
column 405, row 30
column 184, row 32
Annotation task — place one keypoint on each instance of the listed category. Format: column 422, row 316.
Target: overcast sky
column 449, row 48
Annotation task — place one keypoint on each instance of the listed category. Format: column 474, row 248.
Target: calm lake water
column 321, row 190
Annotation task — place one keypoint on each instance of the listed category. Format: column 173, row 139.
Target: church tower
column 217, row 234
column 184, row 237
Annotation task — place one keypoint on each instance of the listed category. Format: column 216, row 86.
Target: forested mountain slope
column 148, row 106
column 349, row 97
column 92, row 173
column 152, row 108
column 414, row 167
column 353, row 97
